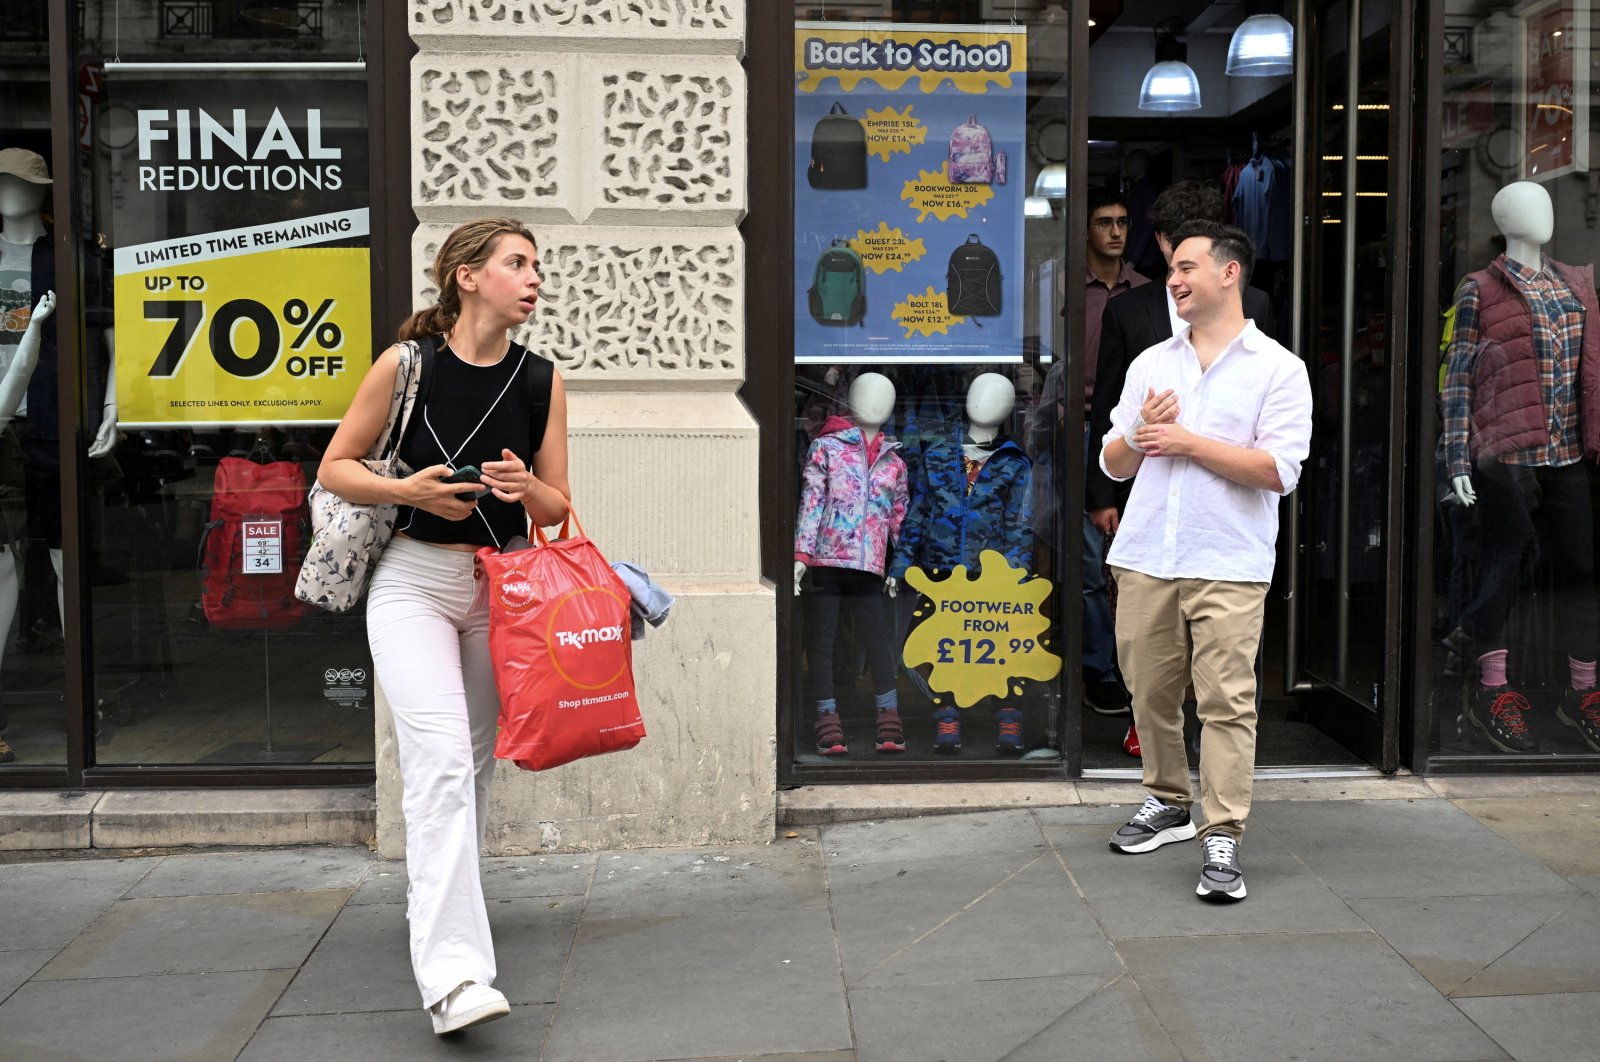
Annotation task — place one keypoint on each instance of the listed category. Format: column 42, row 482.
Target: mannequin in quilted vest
column 1521, row 433
column 852, row 504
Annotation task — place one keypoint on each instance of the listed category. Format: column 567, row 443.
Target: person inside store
column 969, row 494
column 853, row 500
column 1521, row 405
column 1212, row 427
column 427, row 622
column 1128, row 327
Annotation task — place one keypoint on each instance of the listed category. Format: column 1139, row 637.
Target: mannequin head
column 1523, row 213
column 990, row 400
column 24, row 182
column 20, row 198
column 871, row 400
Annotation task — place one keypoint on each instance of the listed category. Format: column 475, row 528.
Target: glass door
column 1344, row 555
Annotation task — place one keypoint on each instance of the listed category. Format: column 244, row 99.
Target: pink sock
column 1494, row 668
column 1582, row 673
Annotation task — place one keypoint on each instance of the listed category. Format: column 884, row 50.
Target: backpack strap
column 838, row 108
column 538, row 379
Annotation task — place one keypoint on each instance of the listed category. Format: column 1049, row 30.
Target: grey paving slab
column 1560, row 830
column 1551, row 1028
column 399, row 1035
column 698, row 880
column 363, row 963
column 988, row 833
column 1588, row 882
column 1048, row 1019
column 965, row 918
column 303, row 869
column 719, row 983
column 1563, row 955
column 1365, row 848
column 1344, row 996
column 504, row 877
column 182, row 1018
column 46, row 904
column 1152, row 894
column 1109, row 815
column 17, row 966
column 198, row 934
column 1449, row 939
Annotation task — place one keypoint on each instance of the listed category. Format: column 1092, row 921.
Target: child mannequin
column 853, row 501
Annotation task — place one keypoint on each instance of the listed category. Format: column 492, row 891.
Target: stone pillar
column 616, row 130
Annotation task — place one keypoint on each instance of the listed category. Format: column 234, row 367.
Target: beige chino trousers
column 1171, row 632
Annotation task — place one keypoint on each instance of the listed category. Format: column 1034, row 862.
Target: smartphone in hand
column 470, row 475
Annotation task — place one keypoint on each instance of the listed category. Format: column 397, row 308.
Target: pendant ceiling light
column 1262, row 46
column 1170, row 85
column 1051, row 182
column 1036, row 206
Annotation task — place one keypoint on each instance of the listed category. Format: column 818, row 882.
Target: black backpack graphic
column 838, row 151
column 838, row 293
column 972, row 283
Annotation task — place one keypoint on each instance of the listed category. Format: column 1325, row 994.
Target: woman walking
column 492, row 404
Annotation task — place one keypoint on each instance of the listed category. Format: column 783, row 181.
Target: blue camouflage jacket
column 948, row 525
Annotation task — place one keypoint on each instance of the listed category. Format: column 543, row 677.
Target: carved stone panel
column 669, row 136
column 629, row 306
column 491, row 132
column 672, row 26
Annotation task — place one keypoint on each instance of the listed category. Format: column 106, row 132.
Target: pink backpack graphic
column 972, row 156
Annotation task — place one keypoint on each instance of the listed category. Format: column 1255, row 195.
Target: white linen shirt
column 1182, row 520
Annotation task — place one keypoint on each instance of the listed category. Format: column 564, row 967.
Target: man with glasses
column 1107, row 276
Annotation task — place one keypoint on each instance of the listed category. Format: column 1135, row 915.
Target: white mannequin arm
column 799, row 574
column 1462, row 485
column 14, row 386
column 105, row 439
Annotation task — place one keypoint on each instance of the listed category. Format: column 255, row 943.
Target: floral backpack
column 972, row 156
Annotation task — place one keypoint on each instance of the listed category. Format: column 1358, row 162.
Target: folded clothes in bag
column 563, row 659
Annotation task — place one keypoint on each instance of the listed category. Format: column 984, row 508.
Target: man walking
column 1128, row 327
column 1212, row 426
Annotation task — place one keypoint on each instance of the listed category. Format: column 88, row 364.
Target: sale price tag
column 263, row 547
column 982, row 634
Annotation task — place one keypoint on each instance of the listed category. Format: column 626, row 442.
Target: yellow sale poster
column 261, row 324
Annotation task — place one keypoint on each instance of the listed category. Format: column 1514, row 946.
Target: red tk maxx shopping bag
column 559, row 637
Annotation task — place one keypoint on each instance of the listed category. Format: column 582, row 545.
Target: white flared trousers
column 428, row 625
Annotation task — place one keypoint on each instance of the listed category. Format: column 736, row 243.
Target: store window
column 222, row 232
column 929, row 196
column 1515, row 607
column 31, row 669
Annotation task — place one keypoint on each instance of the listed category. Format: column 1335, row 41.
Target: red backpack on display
column 251, row 549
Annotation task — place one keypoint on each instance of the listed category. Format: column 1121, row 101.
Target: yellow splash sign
column 884, row 248
column 928, row 313
column 934, row 193
column 892, row 132
column 983, row 634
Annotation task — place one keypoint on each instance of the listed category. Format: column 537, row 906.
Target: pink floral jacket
column 851, row 508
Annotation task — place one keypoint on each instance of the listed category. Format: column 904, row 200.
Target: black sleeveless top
column 471, row 413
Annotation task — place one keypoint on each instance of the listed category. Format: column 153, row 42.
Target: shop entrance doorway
column 1302, row 161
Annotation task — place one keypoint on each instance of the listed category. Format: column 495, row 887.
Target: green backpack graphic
column 838, row 294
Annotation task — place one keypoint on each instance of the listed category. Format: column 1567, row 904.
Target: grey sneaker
column 1221, row 878
column 1152, row 826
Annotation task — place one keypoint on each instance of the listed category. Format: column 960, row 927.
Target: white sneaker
column 469, row 1004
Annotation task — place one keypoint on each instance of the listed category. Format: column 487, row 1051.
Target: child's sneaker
column 947, row 730
column 1010, row 739
column 830, row 735
column 891, row 735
